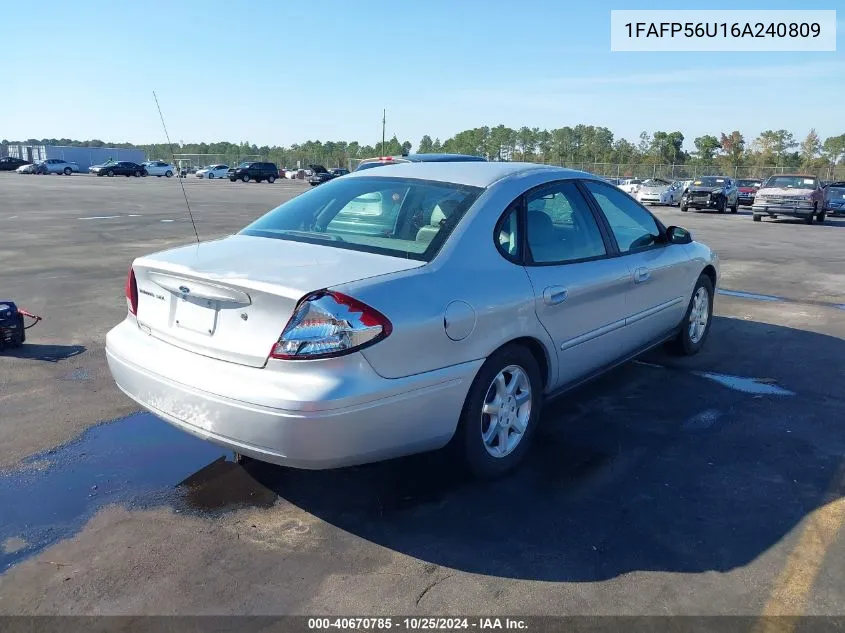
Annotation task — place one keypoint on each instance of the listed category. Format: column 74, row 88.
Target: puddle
column 138, row 461
column 80, row 373
column 757, row 386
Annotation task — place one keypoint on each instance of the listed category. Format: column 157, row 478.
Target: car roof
column 471, row 173
column 796, row 175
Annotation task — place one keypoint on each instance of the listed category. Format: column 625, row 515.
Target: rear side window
column 401, row 217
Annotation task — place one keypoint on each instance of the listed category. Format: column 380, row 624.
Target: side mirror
column 677, row 235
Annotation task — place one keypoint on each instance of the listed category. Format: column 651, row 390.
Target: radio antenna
column 179, row 176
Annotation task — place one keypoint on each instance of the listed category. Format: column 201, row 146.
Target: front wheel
column 232, row 179
column 245, row 178
column 723, row 205
column 808, row 219
column 735, row 207
column 500, row 413
column 696, row 324
column 109, row 173
column 210, row 176
column 757, row 217
column 684, row 207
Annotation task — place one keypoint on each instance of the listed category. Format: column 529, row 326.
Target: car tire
column 137, row 173
column 808, row 219
column 271, row 179
column 168, row 173
column 210, row 176
column 684, row 208
column 245, row 178
column 821, row 217
column 68, row 171
column 723, row 205
column 477, row 437
column 690, row 340
column 232, row 179
column 757, row 217
column 109, row 173
column 735, row 207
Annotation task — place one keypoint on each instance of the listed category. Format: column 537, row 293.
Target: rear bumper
column 304, row 414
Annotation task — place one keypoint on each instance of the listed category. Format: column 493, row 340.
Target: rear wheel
column 696, row 324
column 757, row 217
column 137, row 173
column 68, row 171
column 271, row 179
column 820, row 217
column 168, row 173
column 500, row 413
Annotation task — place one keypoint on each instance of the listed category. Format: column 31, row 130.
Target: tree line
column 581, row 144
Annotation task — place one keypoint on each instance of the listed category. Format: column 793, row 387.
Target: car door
column 579, row 286
column 661, row 275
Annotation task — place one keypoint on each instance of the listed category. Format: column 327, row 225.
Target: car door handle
column 641, row 275
column 554, row 295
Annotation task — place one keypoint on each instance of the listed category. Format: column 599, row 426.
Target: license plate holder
column 196, row 315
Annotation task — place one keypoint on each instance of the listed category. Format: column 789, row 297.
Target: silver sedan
column 389, row 313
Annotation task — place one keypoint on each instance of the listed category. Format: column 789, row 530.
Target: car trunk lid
column 230, row 299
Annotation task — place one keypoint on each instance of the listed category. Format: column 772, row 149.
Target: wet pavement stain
column 138, row 461
column 80, row 373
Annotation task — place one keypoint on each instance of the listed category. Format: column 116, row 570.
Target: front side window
column 560, row 228
column 401, row 217
column 633, row 227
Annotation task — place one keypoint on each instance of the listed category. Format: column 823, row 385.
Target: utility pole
column 383, row 125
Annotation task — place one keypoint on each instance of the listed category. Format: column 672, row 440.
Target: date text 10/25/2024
column 417, row 624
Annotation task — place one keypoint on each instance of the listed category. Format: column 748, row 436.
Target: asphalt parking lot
column 701, row 486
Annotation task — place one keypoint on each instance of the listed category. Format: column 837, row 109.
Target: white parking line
column 12, row 217
column 167, row 220
column 100, row 217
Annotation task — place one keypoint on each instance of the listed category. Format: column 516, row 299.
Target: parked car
column 653, row 191
column 369, row 163
column 119, row 168
column 834, row 198
column 28, row 168
column 10, row 163
column 748, row 188
column 56, row 166
column 383, row 355
column 796, row 195
column 630, row 185
column 711, row 192
column 213, row 171
column 158, row 168
column 254, row 171
column 321, row 174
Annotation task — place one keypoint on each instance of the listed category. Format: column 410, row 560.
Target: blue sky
column 272, row 72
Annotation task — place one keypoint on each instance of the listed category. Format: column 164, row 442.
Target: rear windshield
column 401, row 217
column 792, row 182
column 747, row 183
column 378, row 163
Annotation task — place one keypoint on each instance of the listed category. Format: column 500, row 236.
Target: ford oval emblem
column 184, row 290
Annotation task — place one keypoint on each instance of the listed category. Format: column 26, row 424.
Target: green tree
column 705, row 147
column 810, row 148
column 833, row 148
column 733, row 145
column 426, row 145
column 437, row 146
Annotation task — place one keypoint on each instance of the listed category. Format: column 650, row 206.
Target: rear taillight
column 327, row 324
column 131, row 292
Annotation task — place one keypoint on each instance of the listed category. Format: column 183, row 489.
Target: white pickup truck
column 56, row 166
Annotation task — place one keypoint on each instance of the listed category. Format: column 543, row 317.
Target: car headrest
column 540, row 227
column 442, row 210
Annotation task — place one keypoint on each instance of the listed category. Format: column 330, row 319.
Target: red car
column 747, row 190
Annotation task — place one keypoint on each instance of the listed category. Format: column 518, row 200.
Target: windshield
column 792, row 182
column 655, row 182
column 710, row 181
column 748, row 183
column 836, row 192
column 401, row 217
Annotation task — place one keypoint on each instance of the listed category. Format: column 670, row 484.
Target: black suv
column 254, row 171
column 10, row 163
